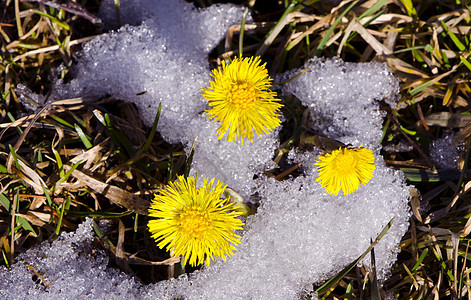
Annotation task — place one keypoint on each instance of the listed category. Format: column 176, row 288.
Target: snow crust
column 300, row 234
column 67, row 268
column 445, row 151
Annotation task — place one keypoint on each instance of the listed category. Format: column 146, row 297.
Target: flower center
column 345, row 162
column 242, row 95
column 194, row 222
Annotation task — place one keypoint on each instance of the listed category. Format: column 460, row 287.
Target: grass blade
column 409, row 6
column 326, row 37
column 152, row 131
column 375, row 289
column 465, row 62
column 354, row 34
column 119, row 138
column 327, row 285
column 59, row 162
column 419, row 261
column 53, row 19
column 117, row 6
column 48, row 197
column 26, row 226
column 5, row 259
column 63, row 208
column 454, row 38
column 5, row 202
column 190, row 158
column 10, row 116
column 15, row 158
column 442, row 263
column 241, row 33
column 273, row 33
column 67, row 175
column 83, row 137
column 373, row 9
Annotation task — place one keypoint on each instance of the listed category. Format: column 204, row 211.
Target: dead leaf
column 447, row 119
column 114, row 194
column 415, row 203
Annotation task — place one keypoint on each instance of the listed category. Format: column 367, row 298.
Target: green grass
column 43, row 155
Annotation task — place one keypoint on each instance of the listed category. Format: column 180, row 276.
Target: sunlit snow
column 300, row 234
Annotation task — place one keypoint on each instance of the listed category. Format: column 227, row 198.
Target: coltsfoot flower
column 241, row 100
column 194, row 222
column 346, row 168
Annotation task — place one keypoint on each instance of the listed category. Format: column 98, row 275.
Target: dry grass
column 67, row 160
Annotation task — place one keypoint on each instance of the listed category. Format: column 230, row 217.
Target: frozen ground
column 300, row 235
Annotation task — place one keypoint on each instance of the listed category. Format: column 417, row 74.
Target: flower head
column 194, row 222
column 345, row 168
column 240, row 99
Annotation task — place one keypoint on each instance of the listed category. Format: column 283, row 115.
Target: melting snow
column 300, row 235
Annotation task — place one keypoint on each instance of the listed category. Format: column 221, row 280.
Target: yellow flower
column 241, row 100
column 345, row 168
column 194, row 222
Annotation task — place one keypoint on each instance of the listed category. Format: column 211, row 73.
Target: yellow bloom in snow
column 241, row 100
column 194, row 222
column 345, row 168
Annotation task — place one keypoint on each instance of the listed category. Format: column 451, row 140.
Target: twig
column 70, row 7
column 422, row 153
